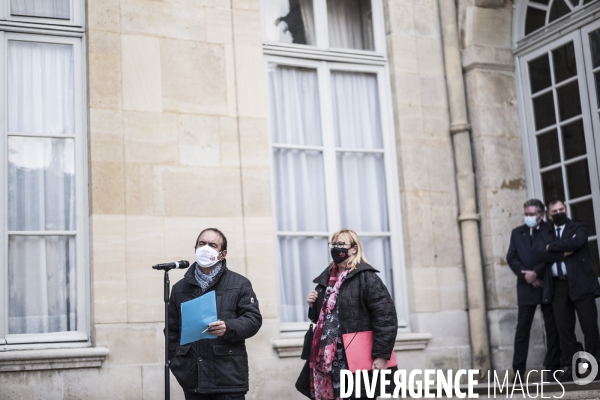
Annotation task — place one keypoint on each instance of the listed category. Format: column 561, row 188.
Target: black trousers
column 215, row 396
column 564, row 312
column 524, row 321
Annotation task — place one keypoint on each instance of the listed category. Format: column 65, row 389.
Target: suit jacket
column 521, row 256
column 581, row 276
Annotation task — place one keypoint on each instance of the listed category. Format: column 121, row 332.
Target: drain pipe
column 465, row 180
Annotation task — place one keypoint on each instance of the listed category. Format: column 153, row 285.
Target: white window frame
column 324, row 60
column 80, row 337
column 77, row 13
column 589, row 70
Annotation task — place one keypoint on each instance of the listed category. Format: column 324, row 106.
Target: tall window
column 561, row 108
column 43, row 275
column 333, row 157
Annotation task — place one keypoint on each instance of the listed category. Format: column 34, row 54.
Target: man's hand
column 538, row 283
column 217, row 328
column 568, row 253
column 380, row 363
column 530, row 276
column 312, row 297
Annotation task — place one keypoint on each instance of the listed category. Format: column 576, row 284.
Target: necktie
column 559, row 270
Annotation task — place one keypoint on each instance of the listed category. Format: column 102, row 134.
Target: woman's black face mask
column 339, row 254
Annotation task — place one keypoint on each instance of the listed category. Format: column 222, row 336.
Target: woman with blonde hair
column 349, row 297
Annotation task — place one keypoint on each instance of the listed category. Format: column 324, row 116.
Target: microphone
column 173, row 265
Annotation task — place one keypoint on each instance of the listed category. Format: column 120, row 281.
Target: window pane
column 534, row 20
column 539, row 73
column 595, row 47
column 565, row 65
column 552, row 185
column 290, row 21
column 584, row 211
column 362, row 192
column 377, row 251
column 41, row 184
column 299, row 190
column 559, row 8
column 301, row 259
column 42, row 284
column 356, row 112
column 294, row 104
column 593, row 249
column 41, row 8
column 569, row 103
column 587, row 1
column 350, row 24
column 578, row 178
column 573, row 140
column 543, row 108
column 40, row 88
column 548, row 150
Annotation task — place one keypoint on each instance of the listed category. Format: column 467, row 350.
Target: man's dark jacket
column 521, row 257
column 364, row 304
column 581, row 276
column 214, row 365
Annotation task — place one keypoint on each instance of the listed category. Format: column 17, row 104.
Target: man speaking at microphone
column 214, row 369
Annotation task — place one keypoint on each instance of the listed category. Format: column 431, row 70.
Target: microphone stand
column 167, row 372
column 167, row 267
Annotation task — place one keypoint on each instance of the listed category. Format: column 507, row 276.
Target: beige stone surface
column 193, row 77
column 107, row 187
column 106, row 135
column 38, row 385
column 488, row 27
column 104, row 71
column 140, row 60
column 246, row 27
column 151, row 137
column 199, row 140
column 230, row 142
column 425, row 290
column 104, row 15
column 219, row 25
column 132, row 344
column 251, row 84
column 216, row 191
column 125, row 383
column 144, row 247
column 141, row 197
column 109, row 271
column 163, row 19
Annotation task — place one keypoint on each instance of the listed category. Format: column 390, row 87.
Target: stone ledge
column 35, row 360
column 292, row 347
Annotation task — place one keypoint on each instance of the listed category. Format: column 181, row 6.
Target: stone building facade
column 174, row 108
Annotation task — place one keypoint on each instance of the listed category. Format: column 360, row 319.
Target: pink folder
column 359, row 347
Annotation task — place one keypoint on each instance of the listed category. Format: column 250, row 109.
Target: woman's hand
column 380, row 363
column 312, row 297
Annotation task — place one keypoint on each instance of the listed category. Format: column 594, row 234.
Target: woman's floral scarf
column 325, row 340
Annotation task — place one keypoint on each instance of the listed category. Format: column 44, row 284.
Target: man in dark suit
column 573, row 282
column 522, row 261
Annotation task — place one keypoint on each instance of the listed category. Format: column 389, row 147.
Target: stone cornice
column 35, row 360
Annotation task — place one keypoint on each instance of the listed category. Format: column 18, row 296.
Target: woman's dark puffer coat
column 364, row 304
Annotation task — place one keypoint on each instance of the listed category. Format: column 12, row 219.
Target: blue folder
column 196, row 314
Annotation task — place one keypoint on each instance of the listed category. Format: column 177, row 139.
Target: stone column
column 465, row 179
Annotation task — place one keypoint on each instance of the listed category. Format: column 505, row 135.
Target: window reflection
column 290, row 21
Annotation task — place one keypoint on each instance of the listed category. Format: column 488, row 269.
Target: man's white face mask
column 206, row 256
column 531, row 221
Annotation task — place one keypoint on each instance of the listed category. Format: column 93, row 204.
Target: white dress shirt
column 562, row 264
